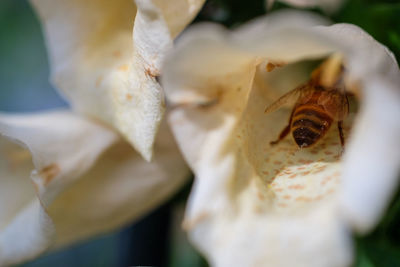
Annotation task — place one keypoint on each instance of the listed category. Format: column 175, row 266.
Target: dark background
column 157, row 239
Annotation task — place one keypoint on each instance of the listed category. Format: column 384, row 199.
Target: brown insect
column 321, row 101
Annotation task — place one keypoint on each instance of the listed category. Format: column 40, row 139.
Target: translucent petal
column 84, row 181
column 105, row 56
column 253, row 203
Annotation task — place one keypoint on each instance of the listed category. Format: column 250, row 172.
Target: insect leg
column 340, row 127
column 284, row 132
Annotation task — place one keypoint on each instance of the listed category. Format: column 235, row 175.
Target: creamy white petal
column 371, row 165
column 53, row 149
column 105, row 56
column 253, row 204
column 67, row 199
column 118, row 189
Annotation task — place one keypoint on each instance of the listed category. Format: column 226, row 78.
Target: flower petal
column 371, row 165
column 103, row 69
column 62, row 147
column 253, row 203
column 120, row 188
column 69, row 200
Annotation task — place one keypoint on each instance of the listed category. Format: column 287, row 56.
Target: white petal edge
column 104, row 58
column 120, row 188
column 208, row 165
column 72, row 201
column 62, row 147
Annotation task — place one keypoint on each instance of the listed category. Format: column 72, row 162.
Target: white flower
column 254, row 204
column 84, row 178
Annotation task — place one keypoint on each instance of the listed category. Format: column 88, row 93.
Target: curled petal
column 84, row 181
column 105, row 58
column 253, row 203
column 372, row 165
column 61, row 147
column 118, row 189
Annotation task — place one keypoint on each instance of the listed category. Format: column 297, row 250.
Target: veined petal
column 105, row 56
column 252, row 203
column 69, row 197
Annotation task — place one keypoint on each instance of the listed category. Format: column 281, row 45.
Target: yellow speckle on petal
column 123, row 67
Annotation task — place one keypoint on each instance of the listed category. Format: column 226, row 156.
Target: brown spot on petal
column 319, row 198
column 116, row 54
column 320, row 169
column 286, row 197
column 292, row 176
column 129, row 96
column 272, row 65
column 49, row 172
column 296, row 186
column 151, row 72
column 304, row 198
column 277, row 162
column 330, row 191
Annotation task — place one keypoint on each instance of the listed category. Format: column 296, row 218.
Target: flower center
column 296, row 148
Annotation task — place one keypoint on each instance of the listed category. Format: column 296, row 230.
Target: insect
column 321, row 101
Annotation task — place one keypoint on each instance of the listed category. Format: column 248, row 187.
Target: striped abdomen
column 309, row 123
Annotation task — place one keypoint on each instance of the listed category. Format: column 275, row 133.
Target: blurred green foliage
column 380, row 18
